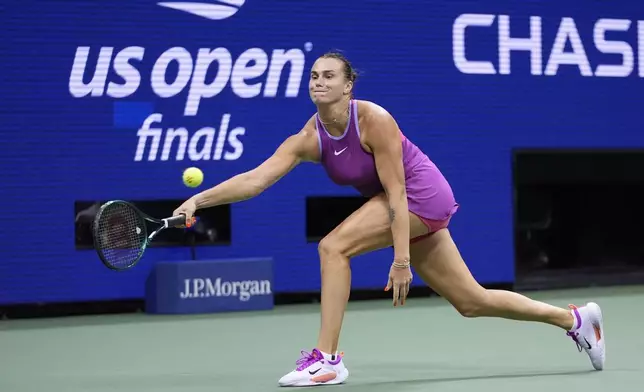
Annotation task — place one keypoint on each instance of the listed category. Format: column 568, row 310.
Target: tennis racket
column 121, row 233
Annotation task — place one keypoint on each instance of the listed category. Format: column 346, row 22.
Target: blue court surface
column 423, row 346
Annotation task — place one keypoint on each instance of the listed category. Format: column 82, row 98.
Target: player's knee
column 331, row 250
column 468, row 309
column 473, row 306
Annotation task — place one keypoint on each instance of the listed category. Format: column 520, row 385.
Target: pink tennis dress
column 429, row 195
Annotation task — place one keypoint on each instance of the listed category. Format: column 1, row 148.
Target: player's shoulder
column 372, row 115
column 305, row 142
column 369, row 110
column 308, row 133
column 310, row 126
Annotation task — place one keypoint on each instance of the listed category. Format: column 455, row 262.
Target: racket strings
column 121, row 235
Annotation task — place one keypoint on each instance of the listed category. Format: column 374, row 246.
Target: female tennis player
column 410, row 204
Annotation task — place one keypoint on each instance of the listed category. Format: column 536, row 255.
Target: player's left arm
column 384, row 140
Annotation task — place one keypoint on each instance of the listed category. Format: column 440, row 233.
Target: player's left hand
column 400, row 279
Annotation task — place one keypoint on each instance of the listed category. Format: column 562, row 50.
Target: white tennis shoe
column 588, row 332
column 316, row 368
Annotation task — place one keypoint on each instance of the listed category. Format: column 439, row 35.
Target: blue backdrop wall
column 91, row 89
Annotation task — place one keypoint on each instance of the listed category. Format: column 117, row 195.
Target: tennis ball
column 192, row 177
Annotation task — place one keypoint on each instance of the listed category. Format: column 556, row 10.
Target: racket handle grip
column 175, row 221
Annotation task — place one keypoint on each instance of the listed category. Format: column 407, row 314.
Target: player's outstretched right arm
column 302, row 146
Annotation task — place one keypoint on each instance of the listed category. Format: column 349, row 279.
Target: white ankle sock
column 328, row 357
column 575, row 322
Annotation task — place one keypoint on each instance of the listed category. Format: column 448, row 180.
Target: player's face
column 327, row 83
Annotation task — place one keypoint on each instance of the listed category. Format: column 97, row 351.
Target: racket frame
column 164, row 223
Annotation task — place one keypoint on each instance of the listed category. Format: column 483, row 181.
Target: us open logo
column 215, row 10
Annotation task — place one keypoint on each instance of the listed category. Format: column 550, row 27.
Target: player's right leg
column 365, row 230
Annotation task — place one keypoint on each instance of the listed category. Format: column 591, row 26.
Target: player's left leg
column 438, row 262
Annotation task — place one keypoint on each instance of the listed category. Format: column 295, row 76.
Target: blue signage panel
column 210, row 286
column 113, row 100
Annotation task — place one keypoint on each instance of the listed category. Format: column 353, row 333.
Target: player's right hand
column 188, row 209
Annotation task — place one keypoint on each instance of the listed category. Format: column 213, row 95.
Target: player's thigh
column 367, row 229
column 437, row 260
